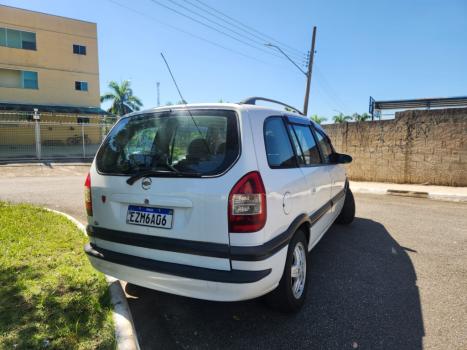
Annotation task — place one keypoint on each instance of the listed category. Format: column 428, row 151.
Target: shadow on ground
column 363, row 294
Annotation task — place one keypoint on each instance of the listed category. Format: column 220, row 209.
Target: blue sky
column 387, row 49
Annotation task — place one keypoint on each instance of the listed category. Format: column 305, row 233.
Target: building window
column 82, row 120
column 28, row 40
column 17, row 39
column 11, row 78
column 29, row 80
column 81, row 86
column 79, row 49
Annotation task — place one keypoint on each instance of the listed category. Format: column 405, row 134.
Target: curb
column 413, row 194
column 43, row 163
column 447, row 197
column 125, row 333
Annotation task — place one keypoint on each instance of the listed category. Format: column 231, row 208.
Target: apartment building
column 49, row 87
column 48, row 62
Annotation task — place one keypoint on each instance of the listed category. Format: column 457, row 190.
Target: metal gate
column 27, row 138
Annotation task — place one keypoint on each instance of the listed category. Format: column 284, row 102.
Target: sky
column 388, row 49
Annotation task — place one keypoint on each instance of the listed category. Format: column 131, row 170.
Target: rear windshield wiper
column 160, row 173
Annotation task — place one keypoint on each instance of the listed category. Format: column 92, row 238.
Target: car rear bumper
column 251, row 281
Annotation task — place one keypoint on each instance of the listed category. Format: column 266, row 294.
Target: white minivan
column 215, row 201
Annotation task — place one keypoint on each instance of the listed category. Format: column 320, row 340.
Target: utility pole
column 158, row 94
column 309, row 73
column 310, row 67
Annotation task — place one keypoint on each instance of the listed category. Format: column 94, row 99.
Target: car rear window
column 205, row 142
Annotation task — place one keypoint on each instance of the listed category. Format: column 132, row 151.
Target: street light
column 307, row 74
column 282, row 52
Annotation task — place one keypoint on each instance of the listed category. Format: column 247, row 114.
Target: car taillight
column 247, row 204
column 87, row 195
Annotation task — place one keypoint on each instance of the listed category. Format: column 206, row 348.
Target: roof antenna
column 189, row 112
column 173, row 79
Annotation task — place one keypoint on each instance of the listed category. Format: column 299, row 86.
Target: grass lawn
column 50, row 296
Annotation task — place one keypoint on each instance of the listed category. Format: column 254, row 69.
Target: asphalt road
column 395, row 279
column 60, row 188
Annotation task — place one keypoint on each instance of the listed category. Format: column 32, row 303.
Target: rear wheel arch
column 305, row 228
column 299, row 221
column 283, row 298
column 302, row 224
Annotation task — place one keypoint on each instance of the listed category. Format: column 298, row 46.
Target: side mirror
column 340, row 158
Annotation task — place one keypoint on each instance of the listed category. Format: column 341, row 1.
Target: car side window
column 325, row 146
column 296, row 145
column 278, row 148
column 305, row 144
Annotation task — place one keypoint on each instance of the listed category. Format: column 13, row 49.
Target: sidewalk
column 44, row 169
column 447, row 193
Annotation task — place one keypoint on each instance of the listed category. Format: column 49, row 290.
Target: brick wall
column 418, row 146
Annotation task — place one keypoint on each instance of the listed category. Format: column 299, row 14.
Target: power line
column 326, row 98
column 186, row 32
column 211, row 27
column 145, row 14
column 288, row 58
column 249, row 27
column 262, row 38
column 329, row 90
column 192, row 12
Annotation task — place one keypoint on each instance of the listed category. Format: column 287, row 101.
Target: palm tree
column 360, row 117
column 317, row 119
column 341, row 118
column 123, row 100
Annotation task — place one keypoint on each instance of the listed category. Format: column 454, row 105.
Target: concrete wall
column 419, row 146
column 53, row 60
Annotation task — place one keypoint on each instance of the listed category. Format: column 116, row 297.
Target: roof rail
column 252, row 101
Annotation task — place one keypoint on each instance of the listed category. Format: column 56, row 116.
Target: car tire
column 347, row 213
column 290, row 294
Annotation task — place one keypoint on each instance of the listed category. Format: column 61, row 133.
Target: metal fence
column 22, row 137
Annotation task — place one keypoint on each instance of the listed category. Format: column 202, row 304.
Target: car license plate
column 147, row 216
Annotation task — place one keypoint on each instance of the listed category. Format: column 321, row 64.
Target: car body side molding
column 187, row 271
column 216, row 250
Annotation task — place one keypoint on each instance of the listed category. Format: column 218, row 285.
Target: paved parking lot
column 395, row 279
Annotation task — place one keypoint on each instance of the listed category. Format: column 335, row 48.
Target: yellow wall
column 57, row 67
column 10, row 78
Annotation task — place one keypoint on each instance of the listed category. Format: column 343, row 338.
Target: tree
column 341, row 118
column 317, row 119
column 360, row 117
column 122, row 98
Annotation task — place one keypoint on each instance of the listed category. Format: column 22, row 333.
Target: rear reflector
column 247, row 204
column 87, row 195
